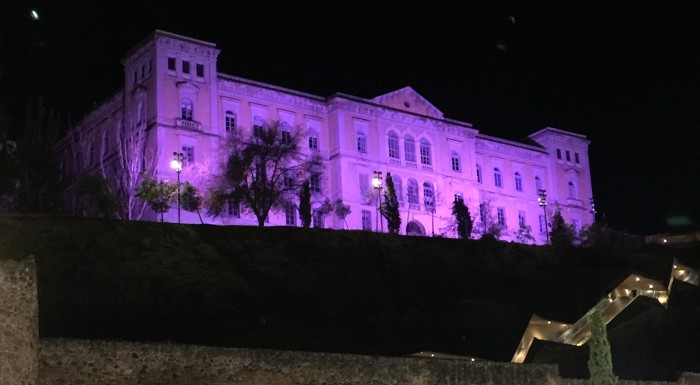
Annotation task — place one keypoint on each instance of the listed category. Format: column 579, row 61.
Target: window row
column 230, row 122
column 498, row 179
column 412, row 191
column 409, row 147
column 185, row 67
column 577, row 159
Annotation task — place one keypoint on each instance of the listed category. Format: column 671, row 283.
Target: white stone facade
column 172, row 85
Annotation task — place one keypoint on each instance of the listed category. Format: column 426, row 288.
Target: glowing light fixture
column 636, row 279
column 651, row 286
column 34, row 14
column 176, row 164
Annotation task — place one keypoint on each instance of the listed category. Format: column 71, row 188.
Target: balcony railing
column 188, row 124
column 414, row 206
column 427, row 167
column 574, row 202
column 395, row 161
column 411, row 164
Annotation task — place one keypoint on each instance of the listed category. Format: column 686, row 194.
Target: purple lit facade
column 173, row 87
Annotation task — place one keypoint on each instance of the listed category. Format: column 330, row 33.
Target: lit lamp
column 377, row 184
column 542, row 200
column 176, row 164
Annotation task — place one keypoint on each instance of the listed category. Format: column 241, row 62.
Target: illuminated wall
column 173, row 86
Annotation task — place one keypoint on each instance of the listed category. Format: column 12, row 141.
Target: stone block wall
column 93, row 362
column 19, row 330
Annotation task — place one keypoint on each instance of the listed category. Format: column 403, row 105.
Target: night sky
column 624, row 73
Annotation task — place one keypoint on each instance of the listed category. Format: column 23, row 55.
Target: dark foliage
column 460, row 212
column 305, row 204
column 390, row 206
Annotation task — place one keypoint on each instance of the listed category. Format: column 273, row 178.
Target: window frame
column 518, row 182
column 393, row 145
column 361, row 142
column 497, row 177
column 409, row 148
column 456, row 161
column 426, row 157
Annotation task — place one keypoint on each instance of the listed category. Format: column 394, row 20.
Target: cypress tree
column 561, row 234
column 305, row 204
column 600, row 364
column 460, row 211
column 390, row 206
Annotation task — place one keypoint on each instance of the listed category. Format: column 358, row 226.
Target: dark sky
column 624, row 73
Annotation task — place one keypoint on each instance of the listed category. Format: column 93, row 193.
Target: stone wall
column 19, row 334
column 92, row 362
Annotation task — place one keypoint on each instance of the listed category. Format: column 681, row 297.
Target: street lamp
column 377, row 184
column 542, row 200
column 176, row 164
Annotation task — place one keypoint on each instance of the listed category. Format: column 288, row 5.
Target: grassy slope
column 304, row 289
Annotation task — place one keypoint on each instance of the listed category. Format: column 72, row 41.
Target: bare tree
column 134, row 158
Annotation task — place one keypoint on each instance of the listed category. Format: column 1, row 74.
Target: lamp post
column 176, row 164
column 542, row 200
column 377, row 184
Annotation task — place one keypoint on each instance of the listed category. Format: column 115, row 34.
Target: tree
column 305, row 204
column 159, row 194
column 263, row 171
column 321, row 212
column 37, row 178
column 600, row 364
column 524, row 234
column 134, row 160
column 190, row 200
column 488, row 224
column 342, row 211
column 390, row 207
column 460, row 212
column 561, row 234
column 94, row 198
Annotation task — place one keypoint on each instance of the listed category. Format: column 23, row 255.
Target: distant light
column 549, row 322
column 636, row 279
column 675, row 266
column 511, row 19
column 665, row 240
column 651, row 286
column 34, row 14
column 472, row 360
column 432, row 355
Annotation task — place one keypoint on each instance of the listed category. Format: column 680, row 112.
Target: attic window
column 407, row 104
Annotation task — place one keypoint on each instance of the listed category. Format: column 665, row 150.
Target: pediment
column 407, row 99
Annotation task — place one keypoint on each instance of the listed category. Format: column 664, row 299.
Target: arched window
column 361, row 141
column 412, row 191
column 478, row 173
column 409, row 148
column 398, row 186
column 497, row 179
column 393, row 145
column 313, row 140
column 456, row 161
column 538, row 184
column 413, row 228
column 186, row 109
column 518, row 182
column 428, row 196
column 230, row 121
column 572, row 190
column 425, row 157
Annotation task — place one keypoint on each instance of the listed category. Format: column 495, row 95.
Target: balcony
column 395, row 161
column 188, row 124
column 411, row 164
column 574, row 202
column 427, row 167
column 414, row 206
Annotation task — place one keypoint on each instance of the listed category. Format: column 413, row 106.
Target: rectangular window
column 200, row 70
column 576, row 157
column 288, row 181
column 501, row 213
column 233, row 209
column 187, row 155
column 290, row 215
column 478, row 173
column 459, row 197
column 409, row 148
column 171, row 63
column 185, row 67
column 366, row 220
column 313, row 142
column 455, row 163
column 568, row 156
column 558, row 153
column 521, row 219
column 364, row 185
column 361, row 142
column 230, row 121
column 315, row 183
column 286, row 137
column 257, row 130
column 543, row 224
